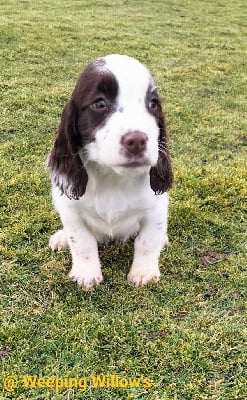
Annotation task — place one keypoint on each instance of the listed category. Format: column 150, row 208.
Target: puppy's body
column 111, row 169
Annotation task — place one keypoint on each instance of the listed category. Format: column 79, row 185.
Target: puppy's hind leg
column 58, row 241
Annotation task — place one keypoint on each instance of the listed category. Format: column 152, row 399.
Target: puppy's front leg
column 148, row 244
column 86, row 269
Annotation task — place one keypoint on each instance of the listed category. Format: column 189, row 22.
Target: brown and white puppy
column 111, row 170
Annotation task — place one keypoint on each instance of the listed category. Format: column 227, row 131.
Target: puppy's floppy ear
column 64, row 162
column 161, row 176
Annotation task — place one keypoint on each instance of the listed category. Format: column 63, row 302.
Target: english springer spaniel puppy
column 111, row 170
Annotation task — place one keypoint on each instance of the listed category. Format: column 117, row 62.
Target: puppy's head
column 114, row 119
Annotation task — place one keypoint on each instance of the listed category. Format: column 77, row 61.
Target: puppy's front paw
column 58, row 241
column 141, row 276
column 86, row 277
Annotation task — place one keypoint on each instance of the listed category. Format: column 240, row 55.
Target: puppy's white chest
column 112, row 214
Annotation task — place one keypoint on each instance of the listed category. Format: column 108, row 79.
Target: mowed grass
column 186, row 334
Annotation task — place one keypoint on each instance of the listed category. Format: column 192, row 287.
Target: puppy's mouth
column 133, row 167
column 135, row 164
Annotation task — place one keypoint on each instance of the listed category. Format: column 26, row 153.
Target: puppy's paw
column 142, row 276
column 58, row 241
column 86, row 277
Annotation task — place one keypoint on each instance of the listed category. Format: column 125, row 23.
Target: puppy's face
column 119, row 112
column 113, row 118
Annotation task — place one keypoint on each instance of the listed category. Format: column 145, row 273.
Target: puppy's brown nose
column 134, row 142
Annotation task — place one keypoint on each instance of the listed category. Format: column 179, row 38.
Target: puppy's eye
column 99, row 104
column 153, row 104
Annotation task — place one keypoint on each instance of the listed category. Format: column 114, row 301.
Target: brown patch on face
column 95, row 98
column 92, row 102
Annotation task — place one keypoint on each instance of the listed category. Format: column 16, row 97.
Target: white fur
column 118, row 201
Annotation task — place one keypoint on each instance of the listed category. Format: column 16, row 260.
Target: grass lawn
column 184, row 338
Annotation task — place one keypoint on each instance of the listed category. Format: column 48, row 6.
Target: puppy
column 110, row 169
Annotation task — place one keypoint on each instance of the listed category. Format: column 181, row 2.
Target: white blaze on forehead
column 123, row 65
column 132, row 76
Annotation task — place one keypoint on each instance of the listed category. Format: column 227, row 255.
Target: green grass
column 187, row 334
